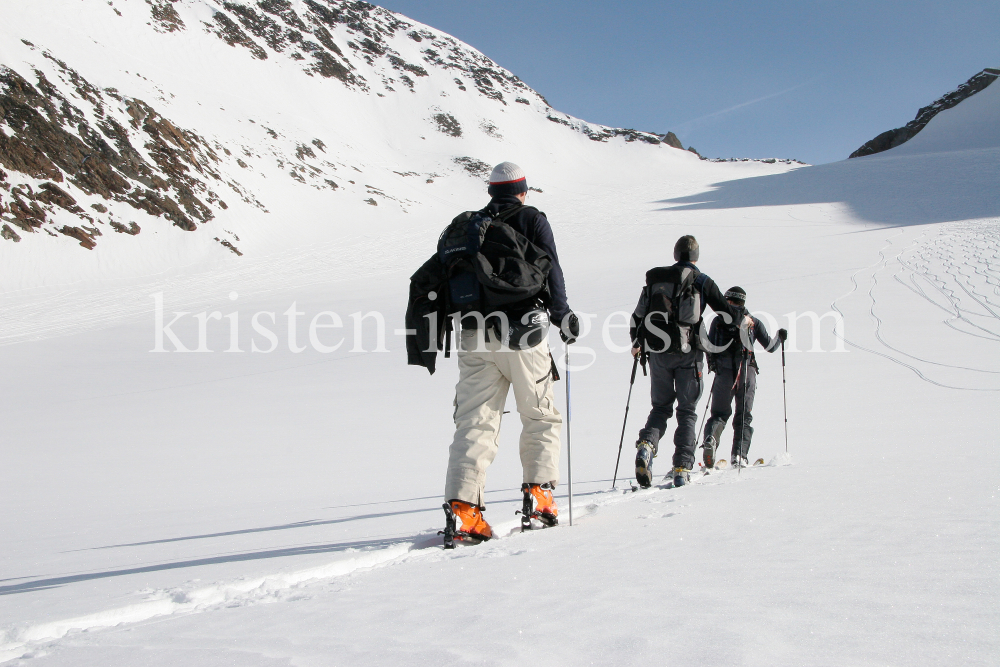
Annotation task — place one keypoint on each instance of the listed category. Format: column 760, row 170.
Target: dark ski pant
column 675, row 377
column 726, row 387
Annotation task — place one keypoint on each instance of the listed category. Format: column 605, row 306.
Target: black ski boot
column 708, row 454
column 644, row 463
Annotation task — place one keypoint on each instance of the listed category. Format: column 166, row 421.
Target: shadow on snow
column 884, row 189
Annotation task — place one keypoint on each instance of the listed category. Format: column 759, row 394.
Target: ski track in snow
column 937, row 263
column 20, row 641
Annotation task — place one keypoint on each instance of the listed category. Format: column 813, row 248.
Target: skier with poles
column 731, row 358
column 666, row 326
column 496, row 276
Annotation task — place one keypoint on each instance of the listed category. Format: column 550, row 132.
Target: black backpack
column 489, row 265
column 674, row 311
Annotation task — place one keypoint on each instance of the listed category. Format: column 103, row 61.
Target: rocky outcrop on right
column 901, row 135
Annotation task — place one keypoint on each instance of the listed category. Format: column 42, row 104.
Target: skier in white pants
column 492, row 360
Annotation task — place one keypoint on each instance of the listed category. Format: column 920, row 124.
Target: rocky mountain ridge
column 901, row 135
column 71, row 148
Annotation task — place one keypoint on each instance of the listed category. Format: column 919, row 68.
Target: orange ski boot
column 474, row 528
column 538, row 504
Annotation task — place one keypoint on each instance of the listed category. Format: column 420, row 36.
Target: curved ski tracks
column 942, row 264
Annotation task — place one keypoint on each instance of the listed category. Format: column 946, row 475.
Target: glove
column 712, row 363
column 783, row 335
column 569, row 330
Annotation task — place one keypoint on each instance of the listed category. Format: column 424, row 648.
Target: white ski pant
column 487, row 370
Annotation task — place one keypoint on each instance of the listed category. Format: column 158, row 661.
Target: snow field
column 278, row 508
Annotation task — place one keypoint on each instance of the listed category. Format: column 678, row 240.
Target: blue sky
column 810, row 80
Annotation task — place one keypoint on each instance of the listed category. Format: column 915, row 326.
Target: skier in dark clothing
column 677, row 370
column 732, row 359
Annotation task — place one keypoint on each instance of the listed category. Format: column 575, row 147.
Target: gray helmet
column 686, row 249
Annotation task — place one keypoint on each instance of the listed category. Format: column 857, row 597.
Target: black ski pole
column 569, row 448
column 743, row 416
column 635, row 367
column 704, row 417
column 784, row 394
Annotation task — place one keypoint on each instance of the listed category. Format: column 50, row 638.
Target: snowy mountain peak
column 901, row 135
column 108, row 122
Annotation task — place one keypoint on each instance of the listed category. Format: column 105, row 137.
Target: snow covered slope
column 974, row 124
column 900, row 135
column 124, row 124
column 275, row 508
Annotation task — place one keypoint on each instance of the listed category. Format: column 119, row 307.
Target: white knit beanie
column 507, row 179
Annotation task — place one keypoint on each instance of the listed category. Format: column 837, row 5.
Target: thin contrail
column 744, row 104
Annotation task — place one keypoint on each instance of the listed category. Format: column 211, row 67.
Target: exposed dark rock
column 319, row 144
column 53, row 194
column 693, row 150
column 329, row 67
column 302, row 152
column 534, row 189
column 131, row 230
column 448, row 124
column 901, row 135
column 671, row 139
column 283, row 8
column 474, row 166
column 9, row 234
column 154, row 204
column 260, row 25
column 45, row 146
column 27, row 214
column 331, row 184
column 229, row 245
column 521, row 100
column 402, row 65
column 326, row 39
column 232, row 35
column 165, row 17
column 85, row 239
column 372, row 47
column 371, row 201
column 100, row 208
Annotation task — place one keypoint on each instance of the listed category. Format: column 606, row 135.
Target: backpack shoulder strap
column 506, row 214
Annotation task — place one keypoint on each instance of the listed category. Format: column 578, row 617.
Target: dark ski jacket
column 422, row 343
column 425, row 317
column 723, row 335
column 711, row 295
column 532, row 224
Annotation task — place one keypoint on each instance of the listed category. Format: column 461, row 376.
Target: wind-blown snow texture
column 281, row 508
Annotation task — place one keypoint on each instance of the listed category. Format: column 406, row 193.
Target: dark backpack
column 674, row 311
column 489, row 265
